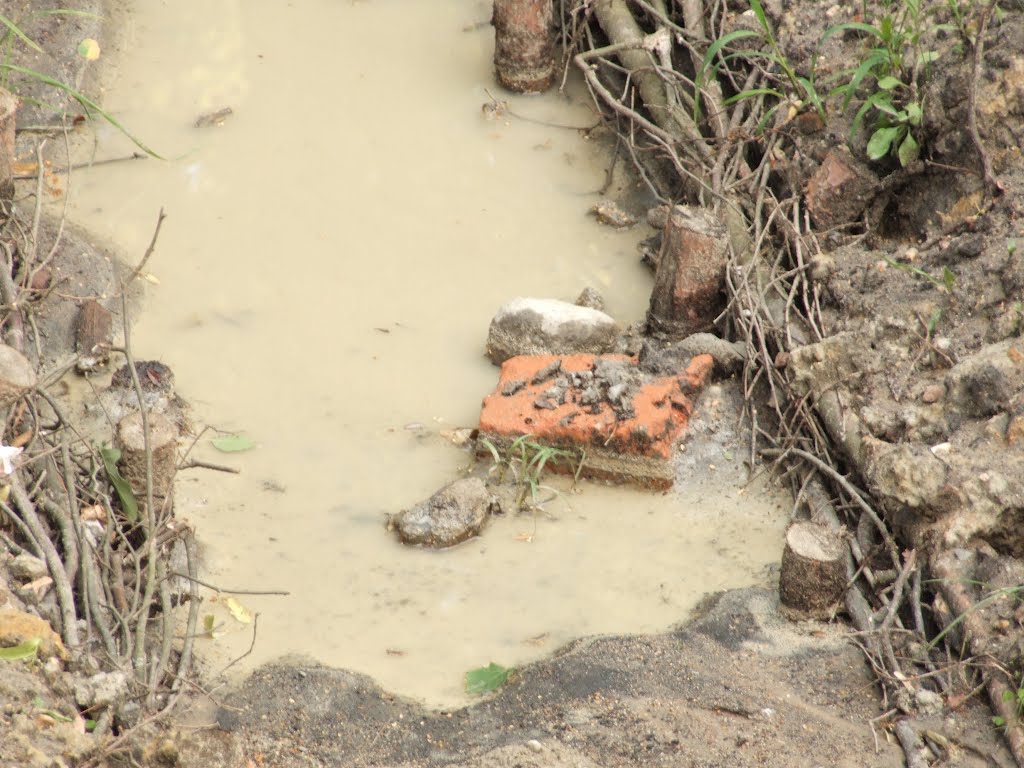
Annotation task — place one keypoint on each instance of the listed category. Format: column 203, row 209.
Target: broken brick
column 687, row 294
column 627, row 422
column 839, row 190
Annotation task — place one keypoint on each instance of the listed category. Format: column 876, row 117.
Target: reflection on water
column 331, row 259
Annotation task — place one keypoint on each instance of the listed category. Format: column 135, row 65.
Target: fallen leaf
column 489, row 678
column 25, row 650
column 89, row 49
column 233, row 443
column 241, row 614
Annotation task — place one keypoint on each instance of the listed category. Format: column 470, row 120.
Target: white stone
column 526, row 326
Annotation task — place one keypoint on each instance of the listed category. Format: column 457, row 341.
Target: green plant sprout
column 804, row 87
column 898, row 63
column 947, row 283
column 527, row 459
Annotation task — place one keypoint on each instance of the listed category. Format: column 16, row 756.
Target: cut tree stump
column 524, row 54
column 812, row 581
column 93, row 336
column 163, row 442
column 687, row 294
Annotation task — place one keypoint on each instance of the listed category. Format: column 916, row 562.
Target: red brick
column 636, row 449
column 839, row 190
column 687, row 294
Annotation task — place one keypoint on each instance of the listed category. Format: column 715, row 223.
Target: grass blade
column 16, row 31
column 82, row 99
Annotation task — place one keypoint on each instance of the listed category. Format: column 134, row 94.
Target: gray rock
column 590, row 298
column 28, row 568
column 548, row 327
column 982, row 385
column 101, row 689
column 455, row 513
column 671, row 359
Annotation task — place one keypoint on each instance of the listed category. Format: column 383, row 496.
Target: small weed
column 947, row 283
column 527, row 459
column 803, row 87
column 898, row 63
column 1017, row 697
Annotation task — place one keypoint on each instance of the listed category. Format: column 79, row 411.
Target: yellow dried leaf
column 89, row 49
column 242, row 614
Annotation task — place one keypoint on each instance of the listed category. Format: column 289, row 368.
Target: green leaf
column 856, row 26
column 948, row 279
column 914, row 113
column 755, row 6
column 889, row 82
column 933, row 321
column 486, row 679
column 752, row 93
column 908, row 151
column 883, row 103
column 124, row 490
column 26, row 650
column 881, row 141
column 703, row 76
column 233, row 443
column 998, row 722
column 866, row 68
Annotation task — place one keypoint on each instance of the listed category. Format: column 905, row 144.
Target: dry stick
column 149, row 518
column 29, row 277
column 215, row 588
column 33, row 246
column 197, row 464
column 1002, row 699
column 897, row 592
column 161, row 663
column 86, row 165
column 9, row 294
column 29, row 537
column 138, row 271
column 65, row 596
column 185, row 660
column 68, row 537
column 857, row 606
column 846, row 486
column 972, row 101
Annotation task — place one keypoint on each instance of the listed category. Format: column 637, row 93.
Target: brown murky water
column 332, row 257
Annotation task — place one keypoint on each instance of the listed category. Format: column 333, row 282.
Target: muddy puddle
column 332, row 256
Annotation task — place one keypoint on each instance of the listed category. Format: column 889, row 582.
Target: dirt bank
column 896, row 366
